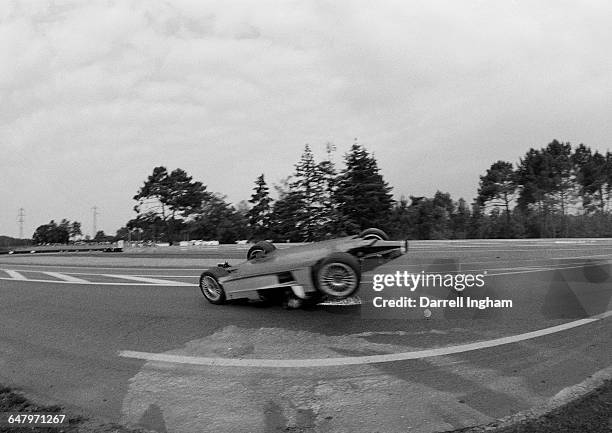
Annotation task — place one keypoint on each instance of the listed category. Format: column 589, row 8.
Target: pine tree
column 286, row 213
column 591, row 177
column 219, row 221
column 308, row 185
column 497, row 188
column 329, row 214
column 363, row 196
column 545, row 180
column 460, row 220
column 286, row 216
column 259, row 214
column 173, row 197
column 400, row 220
column 478, row 223
column 562, row 172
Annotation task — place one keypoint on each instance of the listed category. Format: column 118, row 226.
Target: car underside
column 300, row 274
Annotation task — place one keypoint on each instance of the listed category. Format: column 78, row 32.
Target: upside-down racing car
column 328, row 269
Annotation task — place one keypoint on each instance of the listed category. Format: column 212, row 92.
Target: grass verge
column 13, row 402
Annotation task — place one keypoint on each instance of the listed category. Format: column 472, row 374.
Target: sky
column 95, row 94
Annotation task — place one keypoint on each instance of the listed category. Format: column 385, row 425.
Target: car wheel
column 373, row 233
column 338, row 275
column 211, row 287
column 260, row 249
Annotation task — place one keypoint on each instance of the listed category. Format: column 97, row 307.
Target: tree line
column 316, row 202
column 554, row 191
column 54, row 233
column 63, row 233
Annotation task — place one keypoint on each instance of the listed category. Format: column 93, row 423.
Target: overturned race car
column 302, row 274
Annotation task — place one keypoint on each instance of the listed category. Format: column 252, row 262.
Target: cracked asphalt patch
column 591, row 413
column 367, row 398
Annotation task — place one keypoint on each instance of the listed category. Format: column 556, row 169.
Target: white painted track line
column 147, row 280
column 357, row 360
column 65, row 277
column 15, row 275
column 136, row 275
column 115, row 268
column 106, row 283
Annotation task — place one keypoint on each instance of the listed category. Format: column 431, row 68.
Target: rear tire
column 210, row 286
column 338, row 275
column 260, row 249
column 373, row 233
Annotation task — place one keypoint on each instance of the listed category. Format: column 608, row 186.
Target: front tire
column 374, row 233
column 338, row 275
column 210, row 286
column 260, row 249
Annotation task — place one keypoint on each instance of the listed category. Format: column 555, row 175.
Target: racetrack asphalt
column 65, row 320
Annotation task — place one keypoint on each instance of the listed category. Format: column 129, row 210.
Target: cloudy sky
column 95, row 94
